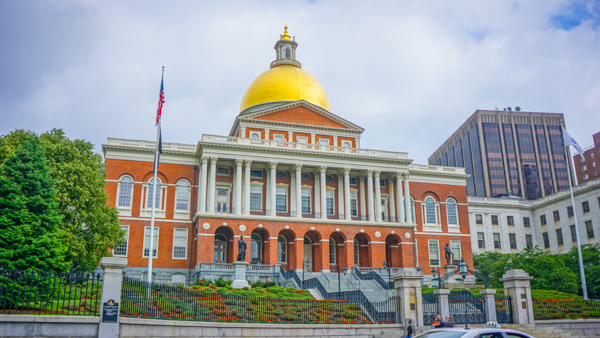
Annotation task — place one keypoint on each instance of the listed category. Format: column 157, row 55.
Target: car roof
column 477, row 330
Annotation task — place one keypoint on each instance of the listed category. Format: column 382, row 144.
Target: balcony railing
column 302, row 146
column 188, row 148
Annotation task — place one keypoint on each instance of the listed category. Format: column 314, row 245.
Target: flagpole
column 580, row 256
column 150, row 252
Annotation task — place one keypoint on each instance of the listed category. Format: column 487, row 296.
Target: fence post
column 111, row 290
column 490, row 304
column 517, row 286
column 442, row 301
column 408, row 290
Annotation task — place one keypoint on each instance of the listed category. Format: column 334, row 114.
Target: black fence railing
column 372, row 275
column 504, row 309
column 545, row 309
column 41, row 292
column 466, row 308
column 430, row 308
column 168, row 302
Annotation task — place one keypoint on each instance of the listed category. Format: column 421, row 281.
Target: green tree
column 591, row 263
column 29, row 221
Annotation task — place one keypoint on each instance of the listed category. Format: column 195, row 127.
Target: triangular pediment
column 304, row 113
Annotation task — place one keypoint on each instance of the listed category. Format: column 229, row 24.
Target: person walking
column 449, row 321
column 409, row 329
column 437, row 323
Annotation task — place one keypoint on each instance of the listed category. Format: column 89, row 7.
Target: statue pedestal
column 449, row 268
column 240, row 275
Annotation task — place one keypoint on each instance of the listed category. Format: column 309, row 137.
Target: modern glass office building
column 508, row 152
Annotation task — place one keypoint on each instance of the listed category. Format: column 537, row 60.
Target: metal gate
column 466, row 308
column 504, row 310
column 430, row 308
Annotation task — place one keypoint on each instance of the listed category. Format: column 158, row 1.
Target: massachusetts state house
column 293, row 180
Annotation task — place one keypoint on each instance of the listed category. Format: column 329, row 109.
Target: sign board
column 464, row 286
column 110, row 311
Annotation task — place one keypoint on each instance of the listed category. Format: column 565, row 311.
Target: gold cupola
column 285, row 81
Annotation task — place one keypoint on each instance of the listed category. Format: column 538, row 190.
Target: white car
column 473, row 333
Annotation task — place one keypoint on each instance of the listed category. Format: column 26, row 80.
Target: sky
column 409, row 72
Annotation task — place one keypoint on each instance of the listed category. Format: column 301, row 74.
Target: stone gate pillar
column 442, row 302
column 407, row 285
column 517, row 286
column 111, row 291
column 489, row 304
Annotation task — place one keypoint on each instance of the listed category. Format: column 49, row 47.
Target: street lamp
column 433, row 273
column 463, row 269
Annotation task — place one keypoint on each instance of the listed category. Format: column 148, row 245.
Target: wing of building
column 292, row 179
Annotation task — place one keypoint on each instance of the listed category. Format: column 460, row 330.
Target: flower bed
column 547, row 309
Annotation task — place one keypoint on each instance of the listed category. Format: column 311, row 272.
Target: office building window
column 306, row 203
column 180, row 240
column 494, row 219
column 434, row 253
column 255, row 198
column 497, row 244
column 223, row 171
column 256, row 173
column 147, row 242
column 510, row 220
column 556, row 215
column 559, row 237
column 529, row 241
column 573, row 233
column 543, row 219
column 512, row 238
column 353, row 204
column 586, row 206
column 352, row 180
column 590, row 229
column 526, row 222
column 480, row 240
column 329, row 202
column 478, row 219
column 281, row 199
column 546, row 240
column 456, row 252
column 570, row 211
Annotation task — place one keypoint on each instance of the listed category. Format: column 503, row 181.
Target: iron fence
column 168, row 302
column 466, row 308
column 430, row 308
column 504, row 310
column 546, row 309
column 42, row 292
column 373, row 275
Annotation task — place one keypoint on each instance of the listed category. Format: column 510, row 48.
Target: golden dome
column 285, row 83
column 285, row 35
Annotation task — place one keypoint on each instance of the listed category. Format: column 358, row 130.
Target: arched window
column 281, row 249
column 220, row 248
column 332, row 251
column 356, row 256
column 125, row 191
column 256, row 247
column 156, row 195
column 287, row 53
column 255, row 135
column 430, row 210
column 182, row 195
column 412, row 208
column 346, row 144
column 451, row 212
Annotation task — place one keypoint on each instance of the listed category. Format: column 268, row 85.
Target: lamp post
column 463, row 269
column 306, row 263
column 388, row 267
column 433, row 278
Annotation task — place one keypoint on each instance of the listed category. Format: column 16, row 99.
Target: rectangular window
column 546, row 240
column 281, row 199
column 529, row 241
column 324, row 141
column 585, row 177
column 510, row 220
column 497, row 244
column 278, row 137
column 586, row 206
column 543, row 219
column 330, row 210
column 573, row 233
column 570, row 211
column 556, row 216
column 223, row 171
column 480, row 240
column 512, row 238
column 494, row 219
column 352, row 180
column 256, row 173
column 382, row 183
column 147, row 242
column 590, row 229
column 559, row 237
column 434, row 253
column 478, row 219
column 332, row 251
column 354, row 204
column 456, row 252
column 255, row 198
column 180, row 240
column 121, row 250
column 526, row 222
column 301, row 139
column 584, row 168
column 306, row 204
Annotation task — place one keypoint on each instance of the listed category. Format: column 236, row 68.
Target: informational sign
column 110, row 311
column 463, row 286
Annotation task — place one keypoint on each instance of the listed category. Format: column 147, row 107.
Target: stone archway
column 363, row 250
column 259, row 246
column 223, row 245
column 312, row 250
column 393, row 254
column 286, row 249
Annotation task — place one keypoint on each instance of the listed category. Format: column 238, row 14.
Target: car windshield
column 441, row 334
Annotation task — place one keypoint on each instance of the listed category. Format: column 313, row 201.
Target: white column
column 210, row 207
column 238, row 186
column 272, row 187
column 340, row 194
column 400, row 202
column 267, row 198
column 363, row 202
column 407, row 207
column 347, row 194
column 370, row 195
column 298, row 190
column 378, row 195
column 203, row 179
column 247, row 168
column 392, row 202
column 335, row 143
column 322, row 171
column 317, row 195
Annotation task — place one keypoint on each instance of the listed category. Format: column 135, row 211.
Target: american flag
column 161, row 100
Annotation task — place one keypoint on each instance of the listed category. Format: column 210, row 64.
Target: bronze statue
column 449, row 254
column 241, row 249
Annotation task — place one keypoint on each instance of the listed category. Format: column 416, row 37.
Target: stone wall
column 48, row 326
column 577, row 327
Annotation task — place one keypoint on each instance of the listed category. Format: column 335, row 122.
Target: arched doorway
column 223, row 248
column 362, row 249
column 392, row 251
column 337, row 248
column 259, row 246
column 286, row 255
column 312, row 250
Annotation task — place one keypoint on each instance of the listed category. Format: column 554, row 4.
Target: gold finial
column 285, row 34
